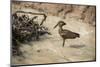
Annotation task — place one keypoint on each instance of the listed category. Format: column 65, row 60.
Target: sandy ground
column 49, row 48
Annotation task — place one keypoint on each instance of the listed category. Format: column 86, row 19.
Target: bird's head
column 60, row 23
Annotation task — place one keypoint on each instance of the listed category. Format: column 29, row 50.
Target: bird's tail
column 77, row 35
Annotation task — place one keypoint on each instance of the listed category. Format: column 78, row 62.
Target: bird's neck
column 60, row 28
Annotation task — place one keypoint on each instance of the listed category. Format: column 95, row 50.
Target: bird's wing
column 68, row 34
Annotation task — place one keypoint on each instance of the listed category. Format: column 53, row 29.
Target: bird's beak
column 56, row 25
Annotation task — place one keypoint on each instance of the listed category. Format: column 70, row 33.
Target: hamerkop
column 64, row 33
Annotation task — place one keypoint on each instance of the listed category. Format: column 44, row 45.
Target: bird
column 64, row 33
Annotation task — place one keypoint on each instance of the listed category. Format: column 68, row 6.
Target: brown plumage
column 64, row 33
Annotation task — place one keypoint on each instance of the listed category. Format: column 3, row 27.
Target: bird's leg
column 63, row 42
